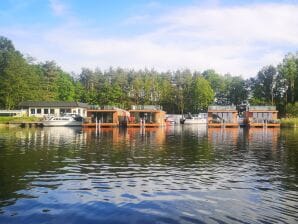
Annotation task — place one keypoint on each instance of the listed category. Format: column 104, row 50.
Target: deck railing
column 146, row 107
column 222, row 108
column 262, row 108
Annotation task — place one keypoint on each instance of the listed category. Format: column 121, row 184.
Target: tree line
column 22, row 78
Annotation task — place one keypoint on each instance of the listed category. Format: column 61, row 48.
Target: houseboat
column 222, row 116
column 146, row 116
column 106, row 116
column 262, row 116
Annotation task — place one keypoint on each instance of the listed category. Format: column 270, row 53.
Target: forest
column 23, row 78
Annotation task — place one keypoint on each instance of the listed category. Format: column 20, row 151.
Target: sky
column 229, row 36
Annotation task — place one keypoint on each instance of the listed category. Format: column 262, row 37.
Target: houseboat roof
column 27, row 104
column 104, row 107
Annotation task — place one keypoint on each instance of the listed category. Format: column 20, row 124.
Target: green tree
column 237, row 90
column 216, row 81
column 201, row 95
column 263, row 86
column 65, row 87
column 289, row 71
column 18, row 79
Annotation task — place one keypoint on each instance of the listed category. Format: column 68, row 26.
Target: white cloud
column 58, row 8
column 236, row 40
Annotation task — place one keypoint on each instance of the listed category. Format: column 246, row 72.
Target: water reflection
column 177, row 174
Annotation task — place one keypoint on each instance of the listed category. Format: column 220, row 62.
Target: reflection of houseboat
column 262, row 116
column 146, row 116
column 222, row 116
column 170, row 120
column 107, row 116
column 116, row 135
column 224, row 137
column 189, row 118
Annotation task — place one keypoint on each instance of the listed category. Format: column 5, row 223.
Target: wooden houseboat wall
column 222, row 116
column 106, row 116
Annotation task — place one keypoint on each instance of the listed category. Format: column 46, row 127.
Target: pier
column 25, row 124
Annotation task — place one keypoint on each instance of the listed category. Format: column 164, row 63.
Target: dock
column 25, row 124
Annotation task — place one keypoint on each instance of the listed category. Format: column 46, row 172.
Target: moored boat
column 200, row 118
column 65, row 120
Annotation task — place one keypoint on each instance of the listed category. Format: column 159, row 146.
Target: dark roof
column 26, row 104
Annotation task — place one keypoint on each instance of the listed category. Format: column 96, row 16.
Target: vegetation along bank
column 23, row 78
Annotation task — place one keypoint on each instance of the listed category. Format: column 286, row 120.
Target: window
column 32, row 111
column 51, row 111
column 38, row 111
column 46, row 111
column 65, row 110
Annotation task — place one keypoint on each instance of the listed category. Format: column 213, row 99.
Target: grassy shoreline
column 289, row 122
column 7, row 120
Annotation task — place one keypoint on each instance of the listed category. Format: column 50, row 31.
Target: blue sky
column 237, row 37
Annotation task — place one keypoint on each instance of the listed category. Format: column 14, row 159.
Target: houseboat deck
column 261, row 125
column 94, row 125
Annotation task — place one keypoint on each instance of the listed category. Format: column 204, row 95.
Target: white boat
column 200, row 118
column 65, row 120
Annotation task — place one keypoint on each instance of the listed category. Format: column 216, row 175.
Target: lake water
column 179, row 174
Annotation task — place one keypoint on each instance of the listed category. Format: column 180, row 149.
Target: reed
column 289, row 122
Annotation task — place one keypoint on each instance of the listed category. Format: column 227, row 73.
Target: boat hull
column 195, row 121
column 61, row 123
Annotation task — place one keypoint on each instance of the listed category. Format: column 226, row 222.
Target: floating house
column 106, row 116
column 262, row 116
column 222, row 116
column 55, row 108
column 146, row 116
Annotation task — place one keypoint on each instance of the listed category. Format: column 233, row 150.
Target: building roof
column 27, row 104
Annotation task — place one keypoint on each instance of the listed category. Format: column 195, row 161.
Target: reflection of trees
column 268, row 153
column 31, row 156
column 28, row 154
column 25, row 151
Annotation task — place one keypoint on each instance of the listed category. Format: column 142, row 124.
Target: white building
column 55, row 108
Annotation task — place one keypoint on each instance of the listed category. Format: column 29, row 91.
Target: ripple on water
column 182, row 177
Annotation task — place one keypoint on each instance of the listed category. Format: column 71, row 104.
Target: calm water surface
column 169, row 175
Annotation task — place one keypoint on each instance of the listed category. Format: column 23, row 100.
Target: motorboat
column 64, row 120
column 189, row 118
